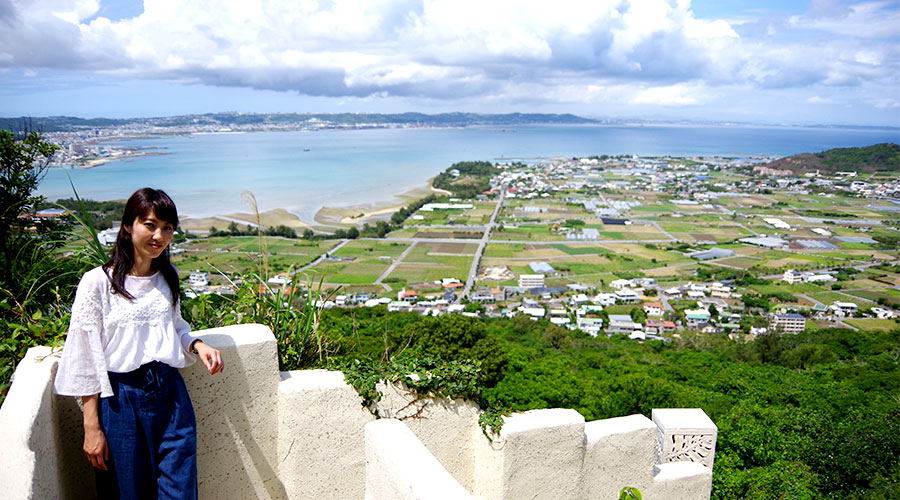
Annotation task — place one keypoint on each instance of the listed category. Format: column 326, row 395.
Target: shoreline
column 96, row 162
column 326, row 217
column 359, row 214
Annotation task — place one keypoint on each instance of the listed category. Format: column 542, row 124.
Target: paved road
column 391, row 268
column 473, row 271
column 322, row 257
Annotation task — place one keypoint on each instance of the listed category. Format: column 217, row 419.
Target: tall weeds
column 293, row 311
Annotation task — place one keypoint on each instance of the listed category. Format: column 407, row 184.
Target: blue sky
column 796, row 62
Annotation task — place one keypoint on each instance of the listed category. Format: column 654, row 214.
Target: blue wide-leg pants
column 152, row 436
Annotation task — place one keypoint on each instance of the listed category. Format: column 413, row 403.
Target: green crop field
column 873, row 324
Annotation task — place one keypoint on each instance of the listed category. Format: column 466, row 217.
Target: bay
column 303, row 171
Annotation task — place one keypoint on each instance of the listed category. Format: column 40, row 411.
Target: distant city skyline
column 790, row 62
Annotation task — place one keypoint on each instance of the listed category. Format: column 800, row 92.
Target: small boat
column 305, row 149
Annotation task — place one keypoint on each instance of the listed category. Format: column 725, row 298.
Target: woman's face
column 150, row 236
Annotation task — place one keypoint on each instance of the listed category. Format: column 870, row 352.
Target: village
column 645, row 247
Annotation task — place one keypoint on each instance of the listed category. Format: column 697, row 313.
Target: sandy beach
column 96, row 162
column 356, row 215
column 326, row 218
column 277, row 217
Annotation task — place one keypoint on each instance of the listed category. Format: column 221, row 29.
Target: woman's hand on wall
column 211, row 357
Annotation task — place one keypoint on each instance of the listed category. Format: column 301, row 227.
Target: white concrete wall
column 42, row 436
column 538, row 454
column 237, row 415
column 400, row 467
column 448, row 428
column 304, row 435
column 321, row 450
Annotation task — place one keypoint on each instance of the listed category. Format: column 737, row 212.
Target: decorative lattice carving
column 698, row 448
column 685, row 435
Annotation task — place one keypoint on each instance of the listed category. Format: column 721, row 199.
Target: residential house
column 653, row 309
column 844, row 308
column 605, row 299
column 627, row 296
column 622, row 323
column 591, row 325
column 696, row 317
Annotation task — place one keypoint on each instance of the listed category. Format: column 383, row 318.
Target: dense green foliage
column 813, row 415
column 102, row 213
column 36, row 285
column 474, row 178
column 868, row 159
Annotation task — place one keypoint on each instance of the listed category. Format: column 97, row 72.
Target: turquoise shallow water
column 205, row 174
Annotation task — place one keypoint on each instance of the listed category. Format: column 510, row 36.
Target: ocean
column 303, row 171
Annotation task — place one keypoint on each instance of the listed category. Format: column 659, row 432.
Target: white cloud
column 818, row 100
column 643, row 52
column 673, row 95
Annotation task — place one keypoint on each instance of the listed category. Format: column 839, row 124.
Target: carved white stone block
column 685, row 435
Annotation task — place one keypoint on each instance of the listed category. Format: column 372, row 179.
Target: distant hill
column 262, row 120
column 879, row 157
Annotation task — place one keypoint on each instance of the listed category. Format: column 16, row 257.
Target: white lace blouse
column 109, row 332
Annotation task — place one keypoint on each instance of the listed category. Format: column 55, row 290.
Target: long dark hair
column 143, row 203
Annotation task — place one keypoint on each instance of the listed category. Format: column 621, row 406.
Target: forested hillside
column 880, row 157
column 805, row 416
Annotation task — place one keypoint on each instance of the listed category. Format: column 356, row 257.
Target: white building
column 534, row 312
column 844, row 308
column 620, row 284
column 199, row 279
column 627, row 296
column 882, row 313
column 653, row 309
column 590, row 325
column 792, row 276
column 605, row 299
column 531, row 280
column 108, row 236
column 622, row 323
column 777, row 223
column 789, row 323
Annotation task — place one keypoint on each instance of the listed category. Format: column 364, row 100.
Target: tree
column 638, row 315
column 24, row 158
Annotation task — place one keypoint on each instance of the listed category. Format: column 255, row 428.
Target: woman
column 125, row 342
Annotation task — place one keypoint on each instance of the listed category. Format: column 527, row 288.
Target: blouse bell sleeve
column 183, row 329
column 82, row 370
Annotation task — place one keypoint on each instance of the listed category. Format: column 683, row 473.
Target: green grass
column 579, row 249
column 351, row 279
column 873, row 324
column 781, row 286
column 371, row 249
column 502, row 250
column 678, row 228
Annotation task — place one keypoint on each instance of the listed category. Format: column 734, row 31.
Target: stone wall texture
column 304, row 435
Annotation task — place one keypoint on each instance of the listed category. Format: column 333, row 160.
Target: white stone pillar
column 237, row 415
column 321, row 441
column 619, row 452
column 538, row 455
column 685, row 435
